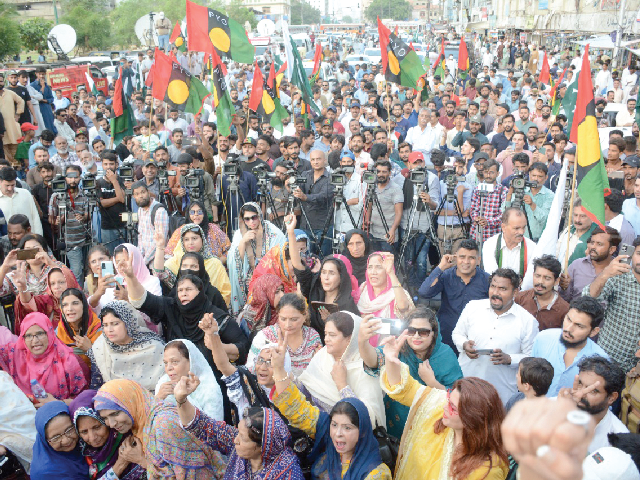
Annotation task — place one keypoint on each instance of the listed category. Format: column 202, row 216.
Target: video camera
column 369, row 176
column 192, row 178
column 520, row 182
column 59, row 184
column 163, row 172
column 262, row 174
column 339, row 176
column 417, row 176
column 452, row 179
column 88, row 182
column 125, row 171
column 231, row 168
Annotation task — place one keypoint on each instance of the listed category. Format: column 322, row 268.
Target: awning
column 604, row 42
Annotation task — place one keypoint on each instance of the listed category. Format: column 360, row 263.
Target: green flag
column 569, row 101
column 299, row 77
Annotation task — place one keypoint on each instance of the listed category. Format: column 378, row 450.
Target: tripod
column 371, row 199
column 130, row 230
column 483, row 194
column 450, row 197
column 338, row 199
column 234, row 194
column 166, row 197
column 292, row 204
column 518, row 203
column 265, row 199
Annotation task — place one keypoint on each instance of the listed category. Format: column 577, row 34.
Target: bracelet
column 182, row 402
column 281, row 379
column 396, row 286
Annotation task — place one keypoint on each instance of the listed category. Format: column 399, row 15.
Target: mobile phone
column 616, row 174
column 27, row 253
column 626, row 249
column 390, row 326
column 512, row 145
column 331, row 307
column 485, row 351
column 107, row 268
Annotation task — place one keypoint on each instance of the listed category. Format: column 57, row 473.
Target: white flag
column 288, row 49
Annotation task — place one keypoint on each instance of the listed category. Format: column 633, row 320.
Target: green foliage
column 240, row 14
column 9, row 31
column 396, row 10
column 34, row 32
column 347, row 19
column 302, row 13
column 93, row 28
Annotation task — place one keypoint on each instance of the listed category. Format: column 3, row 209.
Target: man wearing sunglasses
column 64, row 129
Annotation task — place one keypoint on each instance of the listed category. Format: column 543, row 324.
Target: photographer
column 111, row 195
column 74, row 233
column 486, row 204
column 292, row 146
column 280, row 192
column 247, row 191
column 42, row 194
column 316, row 195
column 391, row 199
column 353, row 192
column 462, row 191
column 428, row 199
column 536, row 198
column 193, row 184
column 248, row 161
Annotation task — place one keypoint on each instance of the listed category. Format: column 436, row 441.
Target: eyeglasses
column 252, row 218
column 453, row 410
column 70, row 433
column 196, row 212
column 262, row 361
column 195, row 229
column 423, row 332
column 30, row 337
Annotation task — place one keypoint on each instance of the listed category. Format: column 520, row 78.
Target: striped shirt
column 76, row 232
column 146, row 244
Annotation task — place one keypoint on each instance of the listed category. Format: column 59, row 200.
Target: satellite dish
column 266, row 27
column 145, row 30
column 61, row 39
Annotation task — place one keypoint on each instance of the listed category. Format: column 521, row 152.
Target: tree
column 347, row 19
column 9, row 31
column 87, row 17
column 34, row 32
column 396, row 10
column 302, row 13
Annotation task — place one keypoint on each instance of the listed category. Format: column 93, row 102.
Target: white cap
column 609, row 463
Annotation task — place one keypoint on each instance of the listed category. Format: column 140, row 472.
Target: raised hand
column 125, row 266
column 339, row 374
column 158, row 238
column 392, row 347
column 290, row 222
column 368, row 328
column 185, row 387
column 165, row 390
column 208, row 324
column 279, row 353
column 426, row 374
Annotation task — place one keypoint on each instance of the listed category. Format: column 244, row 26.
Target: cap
column 611, row 464
column 249, row 141
column 11, row 72
column 300, row 235
column 347, row 153
column 26, row 127
column 81, row 131
column 503, row 105
column 480, row 155
column 327, row 122
column 184, row 158
column 632, row 161
column 484, row 102
column 475, row 119
column 355, row 104
column 571, row 150
column 150, row 162
column 332, row 108
column 415, row 156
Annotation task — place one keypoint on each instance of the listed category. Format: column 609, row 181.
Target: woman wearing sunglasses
column 453, row 433
column 430, row 361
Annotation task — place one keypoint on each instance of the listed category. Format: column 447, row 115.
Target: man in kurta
column 41, row 86
column 11, row 107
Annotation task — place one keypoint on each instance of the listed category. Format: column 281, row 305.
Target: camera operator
column 353, row 192
column 520, row 166
column 280, row 192
column 489, row 217
column 292, row 147
column 316, row 195
column 248, row 161
column 77, row 216
column 185, row 193
column 111, row 195
column 537, row 198
column 429, row 197
column 42, row 194
column 463, row 191
column 391, row 199
column 247, row 191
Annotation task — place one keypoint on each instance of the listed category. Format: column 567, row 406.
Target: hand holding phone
column 107, row 268
column 27, row 253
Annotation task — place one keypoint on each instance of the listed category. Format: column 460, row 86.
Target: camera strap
column 523, row 255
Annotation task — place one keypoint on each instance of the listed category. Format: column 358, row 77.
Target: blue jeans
column 163, row 42
column 379, row 245
column 416, row 258
column 325, row 248
column 112, row 238
column 76, row 257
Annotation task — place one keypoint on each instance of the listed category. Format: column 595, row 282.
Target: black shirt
column 110, row 216
column 23, row 93
column 319, row 197
column 251, row 166
column 42, row 194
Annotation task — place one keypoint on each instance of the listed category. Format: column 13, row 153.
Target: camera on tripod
column 163, row 172
column 417, row 176
column 339, row 176
column 231, row 168
column 519, row 182
column 59, row 184
column 192, row 178
column 126, row 172
column 452, row 179
column 262, row 174
column 88, row 183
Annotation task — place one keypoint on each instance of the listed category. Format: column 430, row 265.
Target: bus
column 341, row 28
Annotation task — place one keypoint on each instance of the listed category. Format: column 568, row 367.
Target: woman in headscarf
column 424, row 353
column 261, row 308
column 96, row 255
column 218, row 240
column 193, row 264
column 56, row 453
column 331, row 284
column 101, row 445
column 164, row 448
column 258, row 449
column 293, row 318
column 355, row 286
column 37, row 354
column 126, row 349
column 345, row 447
column 17, row 415
column 182, row 357
column 357, row 250
column 381, row 294
column 192, row 239
column 253, row 239
column 80, row 326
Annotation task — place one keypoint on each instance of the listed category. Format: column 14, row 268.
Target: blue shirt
column 320, row 145
column 630, row 210
column 32, row 154
column 548, row 345
column 455, row 296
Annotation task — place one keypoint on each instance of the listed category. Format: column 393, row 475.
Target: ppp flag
column 400, row 63
column 264, row 100
column 210, row 30
column 177, row 38
column 591, row 178
column 176, row 86
column 463, row 59
column 222, row 103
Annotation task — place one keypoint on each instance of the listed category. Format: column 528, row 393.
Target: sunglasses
column 423, row 332
column 196, row 212
column 252, row 218
column 453, row 410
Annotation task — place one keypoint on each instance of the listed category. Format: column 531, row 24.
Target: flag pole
column 388, row 114
column 570, row 219
column 150, row 120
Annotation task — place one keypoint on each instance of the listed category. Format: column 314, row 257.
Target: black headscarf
column 359, row 265
column 210, row 292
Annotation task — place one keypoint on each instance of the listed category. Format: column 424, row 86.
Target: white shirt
column 362, row 159
column 346, row 120
column 602, row 79
column 510, row 257
column 424, row 140
column 609, row 424
column 513, row 332
column 180, row 123
column 21, row 202
column 353, row 189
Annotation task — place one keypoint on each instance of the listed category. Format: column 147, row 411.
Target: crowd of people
column 337, row 299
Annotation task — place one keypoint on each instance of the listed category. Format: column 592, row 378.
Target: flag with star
column 401, row 64
column 264, row 100
column 176, row 86
column 177, row 38
column 210, row 30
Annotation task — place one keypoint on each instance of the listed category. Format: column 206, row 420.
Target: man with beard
column 148, row 206
column 263, row 149
column 601, row 247
column 542, row 301
column 494, row 334
column 619, row 286
column 579, row 233
column 596, row 388
column 175, row 149
column 29, row 113
column 475, row 122
column 502, row 140
column 324, row 142
column 307, row 139
column 566, row 346
column 543, row 122
column 42, row 194
column 509, row 248
column 75, row 232
column 391, row 200
column 249, row 162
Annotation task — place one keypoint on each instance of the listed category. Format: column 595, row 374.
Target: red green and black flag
column 210, row 30
column 591, row 174
column 463, row 59
column 176, row 86
column 440, row 62
column 123, row 119
column 556, row 102
column 317, row 59
column 264, row 100
column 222, row 104
column 401, row 64
column 177, row 38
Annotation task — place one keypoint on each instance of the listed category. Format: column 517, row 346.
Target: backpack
column 175, row 219
column 630, row 412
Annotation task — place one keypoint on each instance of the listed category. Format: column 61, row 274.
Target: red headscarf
column 262, row 300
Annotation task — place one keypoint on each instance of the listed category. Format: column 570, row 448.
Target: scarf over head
column 275, row 262
column 355, row 286
column 261, row 309
column 359, row 264
column 382, row 305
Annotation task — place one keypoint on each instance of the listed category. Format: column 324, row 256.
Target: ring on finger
column 578, row 417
